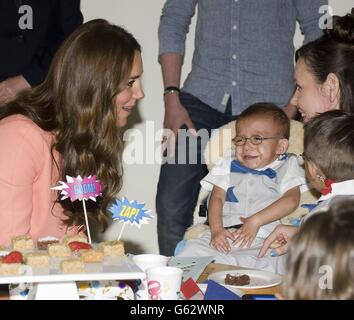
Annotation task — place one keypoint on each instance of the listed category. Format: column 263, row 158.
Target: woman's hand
column 291, row 108
column 219, row 240
column 278, row 240
column 11, row 86
column 247, row 232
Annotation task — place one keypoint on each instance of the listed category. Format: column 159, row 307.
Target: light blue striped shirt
column 243, row 48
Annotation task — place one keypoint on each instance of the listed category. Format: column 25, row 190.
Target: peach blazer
column 27, row 172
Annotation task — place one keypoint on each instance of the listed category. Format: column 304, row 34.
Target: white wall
column 141, row 18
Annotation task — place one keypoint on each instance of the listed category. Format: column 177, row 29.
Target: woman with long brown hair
column 68, row 126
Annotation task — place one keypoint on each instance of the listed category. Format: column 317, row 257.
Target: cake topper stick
column 129, row 212
column 121, row 231
column 86, row 220
column 81, row 189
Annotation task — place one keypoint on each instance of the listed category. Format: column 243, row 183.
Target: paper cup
column 144, row 262
column 164, row 283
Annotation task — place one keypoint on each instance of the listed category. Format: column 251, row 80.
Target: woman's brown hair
column 320, row 262
column 76, row 103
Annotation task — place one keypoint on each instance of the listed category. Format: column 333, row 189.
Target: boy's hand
column 219, row 240
column 247, row 232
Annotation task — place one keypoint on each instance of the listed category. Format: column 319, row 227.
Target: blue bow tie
column 237, row 167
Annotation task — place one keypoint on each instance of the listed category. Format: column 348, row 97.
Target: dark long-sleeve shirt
column 29, row 52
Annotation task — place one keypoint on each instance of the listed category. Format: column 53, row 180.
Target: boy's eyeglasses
column 255, row 140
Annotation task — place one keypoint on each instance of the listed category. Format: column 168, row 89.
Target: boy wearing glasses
column 251, row 190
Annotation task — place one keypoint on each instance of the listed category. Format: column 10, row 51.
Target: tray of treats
column 64, row 260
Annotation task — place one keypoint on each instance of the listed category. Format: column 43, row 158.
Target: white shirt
column 253, row 192
column 344, row 188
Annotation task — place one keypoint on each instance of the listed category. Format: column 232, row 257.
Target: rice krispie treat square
column 37, row 259
column 59, row 250
column 113, row 248
column 10, row 269
column 22, row 243
column 92, row 255
column 74, row 265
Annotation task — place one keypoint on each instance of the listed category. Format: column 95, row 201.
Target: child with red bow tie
column 329, row 164
column 329, row 156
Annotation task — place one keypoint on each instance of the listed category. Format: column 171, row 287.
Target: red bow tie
column 328, row 187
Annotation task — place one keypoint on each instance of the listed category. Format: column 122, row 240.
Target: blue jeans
column 179, row 184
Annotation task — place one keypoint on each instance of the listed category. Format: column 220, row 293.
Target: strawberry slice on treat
column 12, row 257
column 77, row 245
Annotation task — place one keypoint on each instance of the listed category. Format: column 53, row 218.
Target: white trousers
column 245, row 257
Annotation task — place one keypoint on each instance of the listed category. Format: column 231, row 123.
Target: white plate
column 259, row 279
column 203, row 287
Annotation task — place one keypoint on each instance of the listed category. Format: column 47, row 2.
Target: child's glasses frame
column 255, row 140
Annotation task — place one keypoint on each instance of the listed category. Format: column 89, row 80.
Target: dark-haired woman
column 325, row 81
column 68, row 125
column 324, row 71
